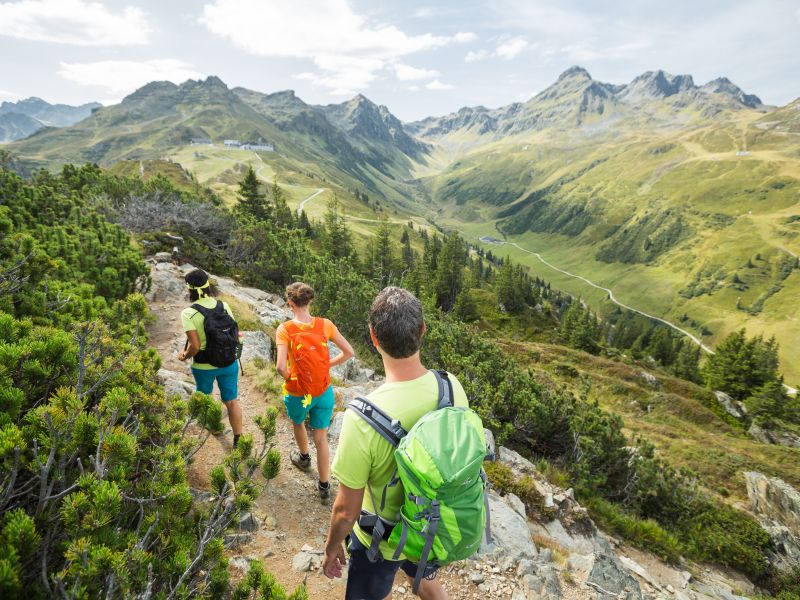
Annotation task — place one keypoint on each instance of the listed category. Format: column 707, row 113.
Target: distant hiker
column 304, row 363
column 365, row 461
column 212, row 342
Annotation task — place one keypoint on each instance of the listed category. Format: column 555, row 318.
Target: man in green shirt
column 364, row 461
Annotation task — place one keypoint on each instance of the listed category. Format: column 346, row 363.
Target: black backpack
column 222, row 336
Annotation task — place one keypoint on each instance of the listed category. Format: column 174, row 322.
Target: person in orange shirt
column 304, row 363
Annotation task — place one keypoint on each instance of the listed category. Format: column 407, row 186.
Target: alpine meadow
column 608, row 273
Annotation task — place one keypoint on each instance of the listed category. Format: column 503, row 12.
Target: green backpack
column 439, row 465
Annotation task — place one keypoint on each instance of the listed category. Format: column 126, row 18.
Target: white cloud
column 348, row 50
column 408, row 73
column 6, row 95
column 122, row 76
column 73, row 22
column 464, row 37
column 437, row 85
column 509, row 49
column 475, row 56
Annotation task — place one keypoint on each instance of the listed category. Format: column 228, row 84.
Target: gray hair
column 396, row 318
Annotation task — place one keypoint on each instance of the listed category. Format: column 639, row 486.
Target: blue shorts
column 320, row 409
column 227, row 379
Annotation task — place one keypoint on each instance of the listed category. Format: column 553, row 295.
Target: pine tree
column 283, row 214
column 741, row 365
column 687, row 361
column 508, row 293
column 381, row 264
column 337, row 240
column 304, row 225
column 450, row 272
column 252, row 201
column 465, row 308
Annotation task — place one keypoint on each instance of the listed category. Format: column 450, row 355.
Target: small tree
column 252, row 200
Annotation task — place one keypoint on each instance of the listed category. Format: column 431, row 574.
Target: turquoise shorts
column 320, row 409
column 227, row 379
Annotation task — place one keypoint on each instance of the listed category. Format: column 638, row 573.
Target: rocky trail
column 565, row 557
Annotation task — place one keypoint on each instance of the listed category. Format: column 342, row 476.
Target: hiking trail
column 527, row 559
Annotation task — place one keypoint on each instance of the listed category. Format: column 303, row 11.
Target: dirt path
column 290, row 510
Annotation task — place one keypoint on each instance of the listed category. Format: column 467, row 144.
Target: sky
column 419, row 58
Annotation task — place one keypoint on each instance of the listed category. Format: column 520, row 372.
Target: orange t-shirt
column 329, row 330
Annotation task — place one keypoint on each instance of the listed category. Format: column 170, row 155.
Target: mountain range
column 682, row 198
column 20, row 119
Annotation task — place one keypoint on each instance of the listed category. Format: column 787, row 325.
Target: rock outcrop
column 777, row 506
column 733, row 407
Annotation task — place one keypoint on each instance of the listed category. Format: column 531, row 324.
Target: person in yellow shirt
column 365, row 460
column 203, row 294
column 307, row 389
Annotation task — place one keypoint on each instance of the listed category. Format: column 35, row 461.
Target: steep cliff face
column 777, row 505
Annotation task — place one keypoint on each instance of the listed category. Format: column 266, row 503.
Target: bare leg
column 301, row 437
column 234, row 416
column 323, row 453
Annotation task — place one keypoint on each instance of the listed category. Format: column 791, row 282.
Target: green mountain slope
column 681, row 199
column 354, row 146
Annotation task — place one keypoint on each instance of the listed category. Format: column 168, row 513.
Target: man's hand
column 334, row 561
column 182, row 355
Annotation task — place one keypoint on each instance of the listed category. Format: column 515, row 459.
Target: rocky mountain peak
column 658, row 84
column 575, row 72
column 723, row 85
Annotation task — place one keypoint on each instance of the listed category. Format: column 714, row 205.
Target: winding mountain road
column 613, row 299
column 311, row 197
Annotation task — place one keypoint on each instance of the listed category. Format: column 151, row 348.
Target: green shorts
column 320, row 410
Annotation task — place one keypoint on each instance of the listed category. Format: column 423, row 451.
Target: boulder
column 166, row 283
column 174, row 383
column 639, row 570
column 257, row 345
column 611, row 580
column 516, row 504
column 162, row 257
column 733, row 407
column 307, row 559
column 771, row 436
column 518, row 463
column 649, row 379
column 247, row 522
column 352, row 370
column 777, row 506
column 510, row 532
column 491, row 446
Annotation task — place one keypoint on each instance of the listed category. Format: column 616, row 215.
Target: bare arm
column 280, row 362
column 194, row 346
column 346, row 350
column 345, row 513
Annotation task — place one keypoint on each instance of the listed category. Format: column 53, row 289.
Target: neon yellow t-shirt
column 364, row 457
column 192, row 320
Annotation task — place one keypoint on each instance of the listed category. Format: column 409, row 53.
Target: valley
column 682, row 199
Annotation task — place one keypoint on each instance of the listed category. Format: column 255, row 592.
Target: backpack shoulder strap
column 445, row 389
column 389, row 429
column 202, row 309
column 319, row 326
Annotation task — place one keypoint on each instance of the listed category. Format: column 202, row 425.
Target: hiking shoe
column 300, row 461
column 324, row 490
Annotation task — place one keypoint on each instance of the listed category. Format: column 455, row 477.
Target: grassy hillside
column 694, row 218
column 682, row 419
